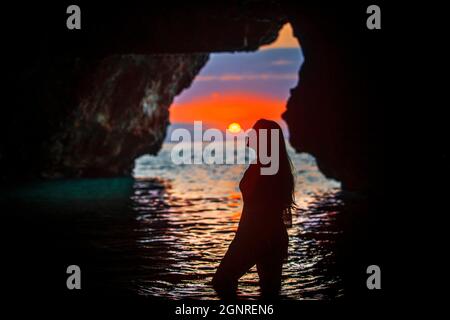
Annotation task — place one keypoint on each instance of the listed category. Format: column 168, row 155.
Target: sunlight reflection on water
column 187, row 215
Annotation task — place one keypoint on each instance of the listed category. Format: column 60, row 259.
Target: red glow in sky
column 242, row 87
column 219, row 110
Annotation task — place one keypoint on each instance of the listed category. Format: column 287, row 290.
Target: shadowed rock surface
column 328, row 112
column 120, row 111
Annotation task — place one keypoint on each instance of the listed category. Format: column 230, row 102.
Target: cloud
column 248, row 77
column 282, row 62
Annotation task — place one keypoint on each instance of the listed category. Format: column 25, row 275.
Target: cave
column 98, row 98
column 79, row 129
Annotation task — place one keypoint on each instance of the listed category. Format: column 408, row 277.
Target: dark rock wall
column 93, row 116
column 120, row 112
column 328, row 112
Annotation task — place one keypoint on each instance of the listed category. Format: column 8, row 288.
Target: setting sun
column 234, row 127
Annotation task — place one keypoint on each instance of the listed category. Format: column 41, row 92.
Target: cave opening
column 201, row 204
column 237, row 89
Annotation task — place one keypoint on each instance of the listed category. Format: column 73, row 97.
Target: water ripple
column 186, row 219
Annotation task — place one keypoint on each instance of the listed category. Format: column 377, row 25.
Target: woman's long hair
column 285, row 170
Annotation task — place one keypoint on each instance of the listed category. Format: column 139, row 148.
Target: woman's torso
column 262, row 214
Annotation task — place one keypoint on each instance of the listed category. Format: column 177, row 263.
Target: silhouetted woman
column 261, row 237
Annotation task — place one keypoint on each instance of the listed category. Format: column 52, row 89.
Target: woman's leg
column 269, row 271
column 239, row 258
column 270, row 264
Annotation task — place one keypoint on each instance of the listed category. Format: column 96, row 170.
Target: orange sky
column 285, row 39
column 244, row 92
column 219, row 110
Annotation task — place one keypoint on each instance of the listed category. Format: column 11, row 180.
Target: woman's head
column 270, row 147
